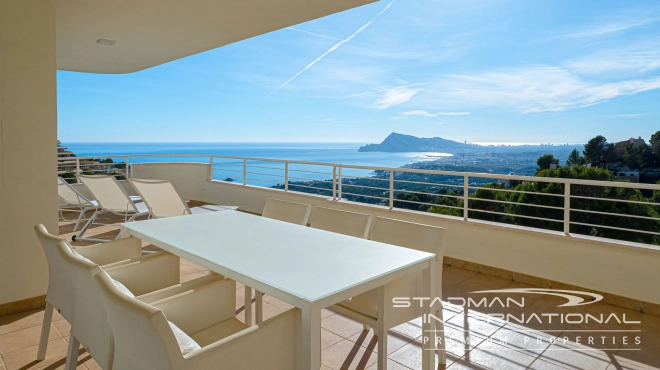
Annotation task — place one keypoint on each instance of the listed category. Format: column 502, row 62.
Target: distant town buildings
column 620, row 147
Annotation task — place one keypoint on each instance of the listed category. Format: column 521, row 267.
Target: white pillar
column 28, row 135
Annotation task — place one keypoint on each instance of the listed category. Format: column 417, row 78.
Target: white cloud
column 640, row 58
column 628, row 115
column 395, row 96
column 421, row 113
column 608, row 27
column 531, row 90
column 452, row 113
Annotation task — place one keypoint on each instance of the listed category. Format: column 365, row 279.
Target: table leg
column 428, row 325
column 248, row 306
column 258, row 304
column 311, row 337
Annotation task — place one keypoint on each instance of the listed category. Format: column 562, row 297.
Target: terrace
column 545, row 239
column 476, row 339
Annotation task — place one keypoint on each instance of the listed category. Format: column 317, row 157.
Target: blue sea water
column 262, row 173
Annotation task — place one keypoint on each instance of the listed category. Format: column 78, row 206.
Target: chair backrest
column 68, row 195
column 295, row 213
column 59, row 293
column 342, row 222
column 412, row 235
column 142, row 337
column 161, row 197
column 89, row 323
column 108, row 193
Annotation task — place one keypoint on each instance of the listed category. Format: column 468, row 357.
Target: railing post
column 391, row 189
column 210, row 176
column 77, row 169
column 127, row 168
column 286, row 176
column 339, row 185
column 245, row 172
column 334, row 183
column 466, row 196
column 567, row 208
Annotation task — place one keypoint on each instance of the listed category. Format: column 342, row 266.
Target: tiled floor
column 474, row 340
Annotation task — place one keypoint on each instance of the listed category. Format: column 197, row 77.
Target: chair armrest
column 170, row 291
column 200, row 308
column 116, row 250
column 146, row 273
column 274, row 344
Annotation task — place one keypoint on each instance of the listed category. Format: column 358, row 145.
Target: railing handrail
column 338, row 189
column 479, row 175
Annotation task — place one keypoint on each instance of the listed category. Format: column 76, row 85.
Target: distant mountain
column 407, row 143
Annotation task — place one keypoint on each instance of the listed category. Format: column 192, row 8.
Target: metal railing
column 615, row 210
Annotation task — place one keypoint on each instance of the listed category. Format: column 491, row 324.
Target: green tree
column 598, row 151
column 655, row 142
column 545, row 161
column 575, row 159
column 629, row 157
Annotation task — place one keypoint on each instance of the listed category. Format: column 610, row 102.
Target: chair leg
column 72, row 354
column 45, row 332
column 365, row 327
column 80, row 218
column 258, row 304
column 382, row 350
column 87, row 225
column 442, row 353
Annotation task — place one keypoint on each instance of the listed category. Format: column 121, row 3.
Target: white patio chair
column 128, row 251
column 364, row 307
column 341, row 222
column 164, row 336
column 295, row 213
column 89, row 325
column 281, row 210
column 164, row 200
column 71, row 200
column 111, row 198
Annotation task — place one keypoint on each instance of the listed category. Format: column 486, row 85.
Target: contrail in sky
column 312, row 33
column 337, row 45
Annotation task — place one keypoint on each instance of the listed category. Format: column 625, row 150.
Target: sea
column 261, row 172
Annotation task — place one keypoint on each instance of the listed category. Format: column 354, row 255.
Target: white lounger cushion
column 186, row 343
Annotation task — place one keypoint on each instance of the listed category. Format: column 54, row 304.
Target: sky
column 543, row 71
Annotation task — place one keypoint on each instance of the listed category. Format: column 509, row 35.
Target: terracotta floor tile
column 347, row 355
column 21, row 321
column 63, row 327
column 25, row 358
column 576, row 357
column 539, row 364
column 391, row 365
column 395, row 340
column 25, row 338
column 476, row 324
column 329, row 338
column 645, row 357
column 493, row 355
column 410, row 356
column 459, row 343
column 341, row 325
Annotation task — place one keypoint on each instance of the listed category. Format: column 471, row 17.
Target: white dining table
column 308, row 268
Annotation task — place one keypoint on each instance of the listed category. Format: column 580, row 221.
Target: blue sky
column 481, row 71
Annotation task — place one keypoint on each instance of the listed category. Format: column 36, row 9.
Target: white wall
column 28, row 138
column 612, row 267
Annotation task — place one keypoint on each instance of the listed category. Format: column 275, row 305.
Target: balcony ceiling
column 150, row 32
